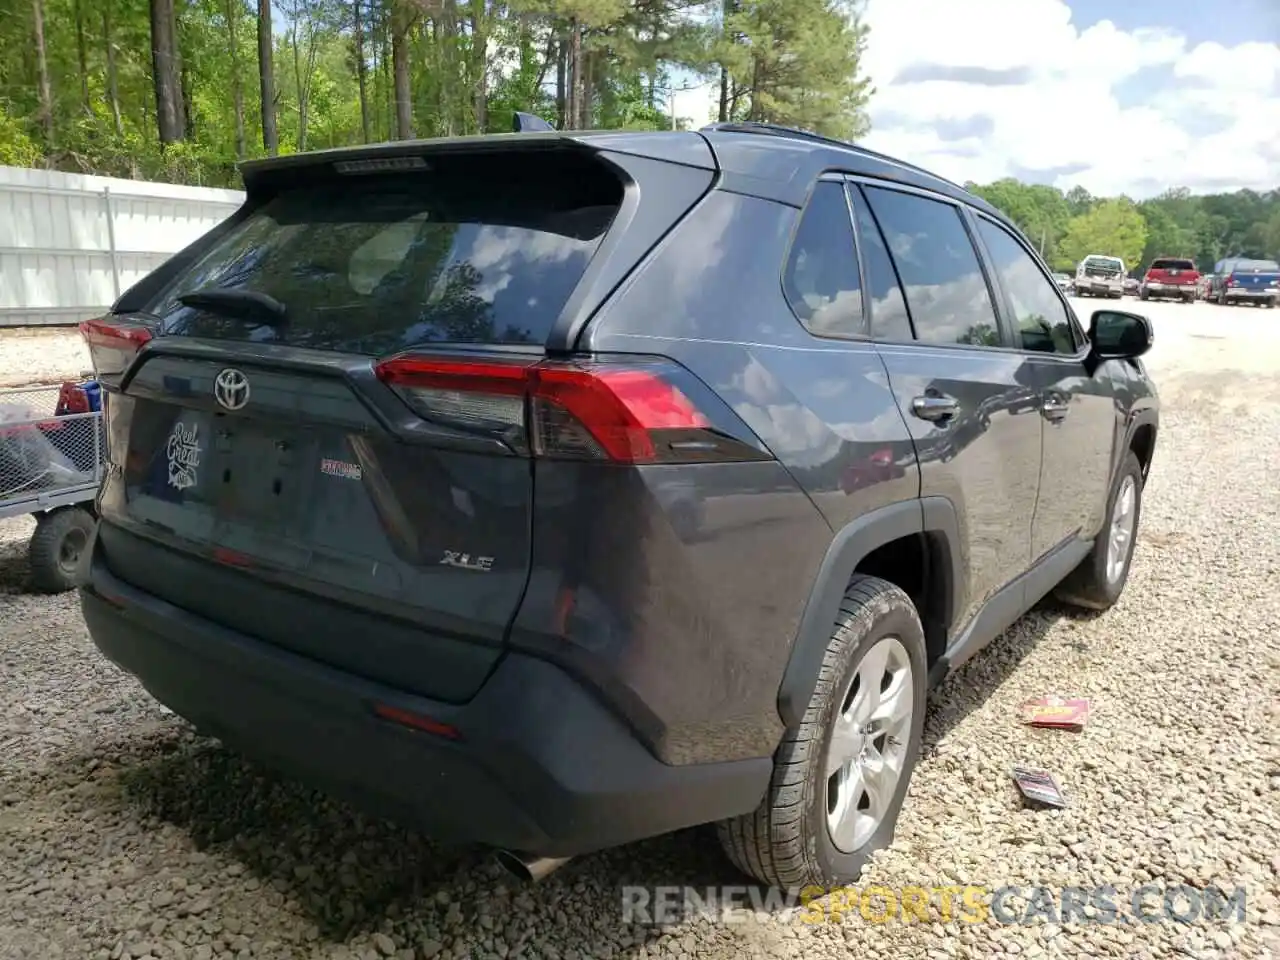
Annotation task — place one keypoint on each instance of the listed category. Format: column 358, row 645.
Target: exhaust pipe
column 529, row 869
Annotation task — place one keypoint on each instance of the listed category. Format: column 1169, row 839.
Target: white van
column 1099, row 275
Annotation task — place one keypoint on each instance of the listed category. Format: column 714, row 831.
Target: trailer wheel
column 56, row 547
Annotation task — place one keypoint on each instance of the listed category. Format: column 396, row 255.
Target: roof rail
column 779, row 130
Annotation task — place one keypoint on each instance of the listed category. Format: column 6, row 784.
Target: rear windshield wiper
column 239, row 304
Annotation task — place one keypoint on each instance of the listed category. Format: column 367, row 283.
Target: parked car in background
column 1131, row 286
column 403, row 456
column 1170, row 278
column 1099, row 275
column 1063, row 281
column 1243, row 280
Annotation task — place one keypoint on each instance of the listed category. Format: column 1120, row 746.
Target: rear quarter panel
column 705, row 632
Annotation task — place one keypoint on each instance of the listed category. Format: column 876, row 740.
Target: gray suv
column 553, row 491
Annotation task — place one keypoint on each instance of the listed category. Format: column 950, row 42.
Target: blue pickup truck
column 1241, row 280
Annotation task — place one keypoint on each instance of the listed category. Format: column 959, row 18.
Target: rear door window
column 946, row 288
column 374, row 265
column 1168, row 264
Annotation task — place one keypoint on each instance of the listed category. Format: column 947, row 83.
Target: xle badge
column 467, row 562
column 183, row 451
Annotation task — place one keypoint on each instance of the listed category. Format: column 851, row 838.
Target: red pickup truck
column 1172, row 277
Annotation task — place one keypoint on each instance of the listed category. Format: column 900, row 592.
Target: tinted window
column 821, row 280
column 889, row 318
column 1040, row 314
column 1170, row 264
column 379, row 264
column 946, row 290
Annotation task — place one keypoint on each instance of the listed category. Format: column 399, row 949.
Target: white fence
column 71, row 244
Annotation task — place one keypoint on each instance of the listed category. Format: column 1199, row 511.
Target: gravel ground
column 123, row 835
column 40, row 356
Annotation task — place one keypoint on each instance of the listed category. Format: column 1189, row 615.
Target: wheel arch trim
column 851, row 545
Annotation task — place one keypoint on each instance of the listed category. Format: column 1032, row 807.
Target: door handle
column 935, row 407
column 1054, row 408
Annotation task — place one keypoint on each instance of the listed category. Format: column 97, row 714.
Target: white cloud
column 1048, row 98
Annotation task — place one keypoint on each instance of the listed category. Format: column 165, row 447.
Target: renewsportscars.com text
column 1150, row 903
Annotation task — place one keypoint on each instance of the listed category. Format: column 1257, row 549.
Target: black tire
column 1088, row 586
column 56, row 547
column 786, row 841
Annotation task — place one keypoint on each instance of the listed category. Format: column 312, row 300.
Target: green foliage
column 471, row 64
column 16, row 148
column 1175, row 224
column 1114, row 228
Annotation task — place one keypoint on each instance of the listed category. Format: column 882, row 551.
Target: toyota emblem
column 231, row 389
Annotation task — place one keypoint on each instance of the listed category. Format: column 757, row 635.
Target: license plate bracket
column 258, row 477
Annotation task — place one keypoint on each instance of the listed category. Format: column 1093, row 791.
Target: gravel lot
column 123, row 835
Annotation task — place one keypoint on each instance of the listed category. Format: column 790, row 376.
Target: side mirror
column 1115, row 335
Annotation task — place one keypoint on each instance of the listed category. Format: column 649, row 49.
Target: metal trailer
column 51, row 453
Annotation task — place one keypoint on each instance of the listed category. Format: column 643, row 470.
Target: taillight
column 621, row 412
column 1231, row 279
column 113, row 343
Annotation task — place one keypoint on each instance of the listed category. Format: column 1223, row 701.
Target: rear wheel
column 1099, row 580
column 56, row 548
column 839, row 780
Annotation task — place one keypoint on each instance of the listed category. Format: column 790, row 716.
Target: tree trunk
column 724, row 95
column 586, row 97
column 362, row 70
column 388, row 83
column 42, row 67
column 188, row 103
column 165, row 71
column 237, row 79
column 82, row 56
column 562, row 92
column 400, row 26
column 574, row 72
column 453, row 110
column 266, row 80
column 301, row 86
column 113, row 84
column 479, row 64
column 754, row 113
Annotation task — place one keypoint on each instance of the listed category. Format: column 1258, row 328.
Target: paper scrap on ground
column 1070, row 713
column 1039, row 786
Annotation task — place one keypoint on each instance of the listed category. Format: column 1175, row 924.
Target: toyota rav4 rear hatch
column 272, row 473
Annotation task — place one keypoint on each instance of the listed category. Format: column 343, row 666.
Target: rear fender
column 854, row 543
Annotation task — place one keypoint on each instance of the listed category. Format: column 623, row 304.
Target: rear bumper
column 1171, row 289
column 540, row 765
column 1246, row 293
column 1093, row 285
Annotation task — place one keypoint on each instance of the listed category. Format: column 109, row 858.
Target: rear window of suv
column 1167, row 264
column 486, row 251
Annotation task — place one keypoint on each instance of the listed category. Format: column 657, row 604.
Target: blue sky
column 1119, row 96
